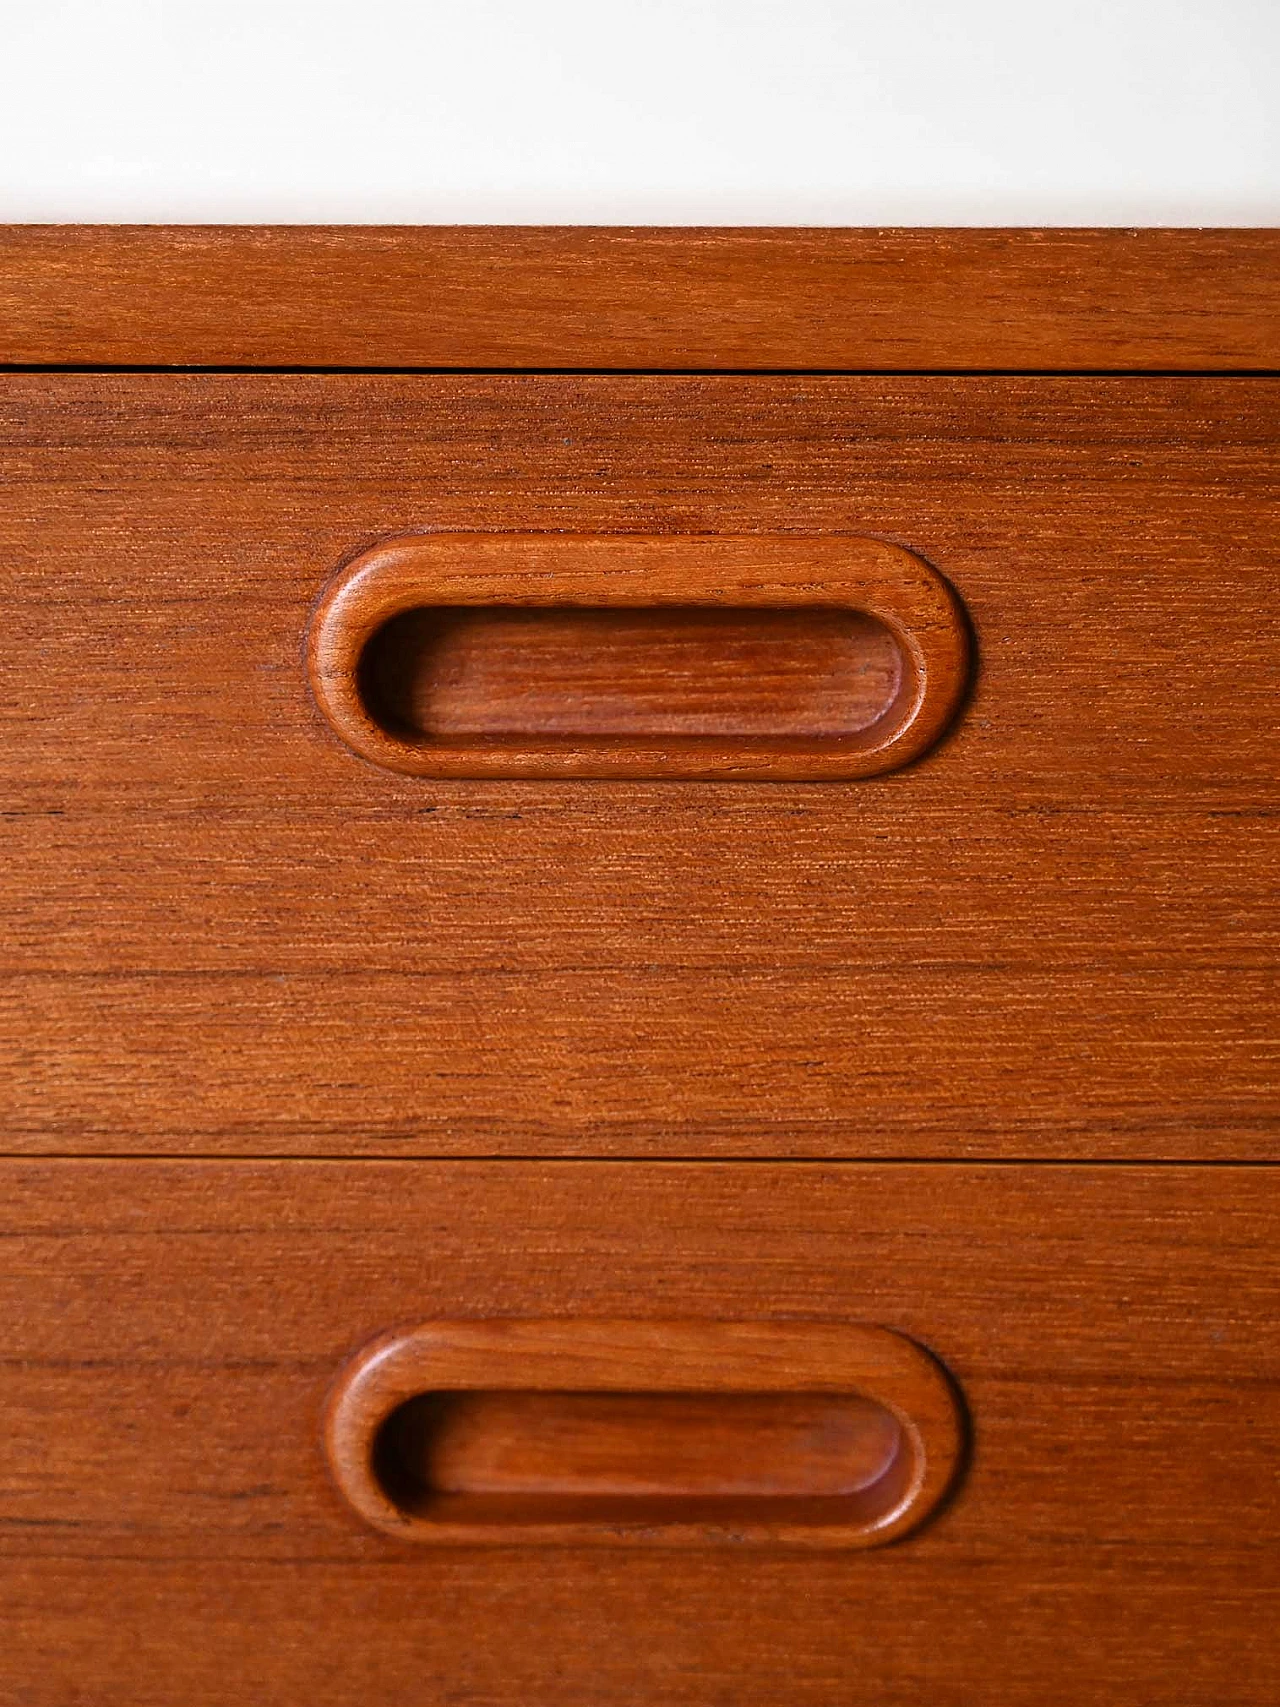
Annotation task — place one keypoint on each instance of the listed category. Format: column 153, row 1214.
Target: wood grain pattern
column 607, row 1449
column 673, row 671
column 168, row 1532
column 1053, row 937
column 545, row 297
column 224, row 935
column 602, row 708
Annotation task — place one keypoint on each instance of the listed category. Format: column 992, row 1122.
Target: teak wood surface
column 289, row 1041
column 1052, row 936
column 624, row 298
column 169, row 1532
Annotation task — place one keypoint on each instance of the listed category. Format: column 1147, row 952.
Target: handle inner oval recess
column 644, row 1458
column 599, row 671
column 670, row 657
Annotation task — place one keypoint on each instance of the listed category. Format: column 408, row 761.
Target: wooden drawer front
column 226, row 933
column 170, row 1331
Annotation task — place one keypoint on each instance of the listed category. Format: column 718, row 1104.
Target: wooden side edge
column 632, row 298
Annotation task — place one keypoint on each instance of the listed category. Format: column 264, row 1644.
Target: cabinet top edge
column 625, row 298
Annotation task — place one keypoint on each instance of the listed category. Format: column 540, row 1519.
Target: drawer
column 226, row 933
column 172, row 1331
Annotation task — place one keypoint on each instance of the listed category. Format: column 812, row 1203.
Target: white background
column 642, row 111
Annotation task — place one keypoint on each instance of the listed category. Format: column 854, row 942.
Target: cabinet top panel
column 670, row 299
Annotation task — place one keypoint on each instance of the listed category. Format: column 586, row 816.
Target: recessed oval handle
column 810, row 1435
column 527, row 656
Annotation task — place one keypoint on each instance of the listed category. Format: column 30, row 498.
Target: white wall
column 642, row 111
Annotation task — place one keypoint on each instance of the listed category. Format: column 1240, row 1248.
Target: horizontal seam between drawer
column 214, row 369
column 432, row 1158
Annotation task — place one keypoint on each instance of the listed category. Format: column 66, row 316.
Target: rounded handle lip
column 867, row 575
column 672, row 1357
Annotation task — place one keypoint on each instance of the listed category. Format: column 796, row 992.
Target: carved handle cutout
column 605, row 1432
column 491, row 655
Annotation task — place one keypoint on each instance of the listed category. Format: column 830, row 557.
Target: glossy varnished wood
column 168, row 1530
column 1053, row 936
column 228, row 936
column 506, row 297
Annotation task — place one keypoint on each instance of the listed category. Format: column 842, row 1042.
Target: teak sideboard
column 638, row 994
